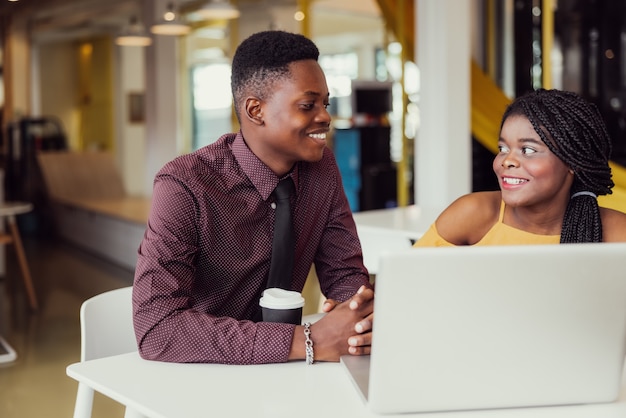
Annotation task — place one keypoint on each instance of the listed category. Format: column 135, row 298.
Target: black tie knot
column 284, row 189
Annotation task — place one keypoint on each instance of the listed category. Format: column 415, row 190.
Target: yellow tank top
column 499, row 234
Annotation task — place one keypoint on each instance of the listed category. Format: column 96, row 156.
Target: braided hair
column 263, row 58
column 574, row 131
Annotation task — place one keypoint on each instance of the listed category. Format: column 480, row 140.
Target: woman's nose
column 509, row 162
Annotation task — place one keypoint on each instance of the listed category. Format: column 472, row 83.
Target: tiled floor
column 35, row 385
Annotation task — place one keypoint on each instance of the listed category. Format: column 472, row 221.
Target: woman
column 553, row 162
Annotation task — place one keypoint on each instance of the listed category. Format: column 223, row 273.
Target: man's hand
column 334, row 334
column 361, row 344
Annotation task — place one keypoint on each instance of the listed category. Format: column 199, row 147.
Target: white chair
column 375, row 241
column 106, row 329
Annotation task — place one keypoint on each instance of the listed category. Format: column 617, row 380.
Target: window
column 211, row 102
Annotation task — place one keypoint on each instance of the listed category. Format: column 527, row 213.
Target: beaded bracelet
column 308, row 343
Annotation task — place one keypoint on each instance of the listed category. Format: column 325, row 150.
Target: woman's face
column 528, row 172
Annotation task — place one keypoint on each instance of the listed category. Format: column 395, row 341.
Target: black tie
column 281, row 267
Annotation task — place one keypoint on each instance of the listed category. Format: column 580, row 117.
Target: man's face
column 295, row 121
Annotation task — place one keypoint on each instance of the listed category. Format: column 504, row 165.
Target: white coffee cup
column 280, row 305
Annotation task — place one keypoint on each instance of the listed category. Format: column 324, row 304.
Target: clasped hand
column 346, row 328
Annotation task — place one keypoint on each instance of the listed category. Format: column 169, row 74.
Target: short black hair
column 263, row 58
column 574, row 130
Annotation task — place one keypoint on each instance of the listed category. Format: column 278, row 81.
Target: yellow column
column 547, row 40
column 234, row 43
column 85, row 57
column 304, row 6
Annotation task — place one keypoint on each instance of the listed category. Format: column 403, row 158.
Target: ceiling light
column 214, row 10
column 133, row 35
column 170, row 25
column 211, row 32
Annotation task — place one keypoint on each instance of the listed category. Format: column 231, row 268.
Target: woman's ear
column 254, row 110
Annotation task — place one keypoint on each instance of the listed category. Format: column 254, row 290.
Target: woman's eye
column 502, row 148
column 528, row 150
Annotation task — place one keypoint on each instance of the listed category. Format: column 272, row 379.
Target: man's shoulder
column 208, row 158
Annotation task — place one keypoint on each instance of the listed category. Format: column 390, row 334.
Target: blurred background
column 96, row 95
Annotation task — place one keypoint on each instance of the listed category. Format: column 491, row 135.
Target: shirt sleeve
column 432, row 239
column 168, row 324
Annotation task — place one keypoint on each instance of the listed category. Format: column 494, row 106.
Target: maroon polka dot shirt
column 204, row 259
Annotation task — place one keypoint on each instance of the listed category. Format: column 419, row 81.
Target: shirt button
column 273, row 205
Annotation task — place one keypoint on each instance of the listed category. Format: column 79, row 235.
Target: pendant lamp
column 133, row 35
column 215, row 10
column 170, row 24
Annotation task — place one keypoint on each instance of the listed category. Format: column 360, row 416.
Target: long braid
column 574, row 131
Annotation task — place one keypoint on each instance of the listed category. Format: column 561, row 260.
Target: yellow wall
column 58, row 83
column 95, row 95
column 77, row 87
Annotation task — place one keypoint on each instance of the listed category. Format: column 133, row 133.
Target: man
column 205, row 257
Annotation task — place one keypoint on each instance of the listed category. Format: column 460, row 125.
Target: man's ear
column 254, row 110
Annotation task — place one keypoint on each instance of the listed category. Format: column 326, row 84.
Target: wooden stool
column 9, row 210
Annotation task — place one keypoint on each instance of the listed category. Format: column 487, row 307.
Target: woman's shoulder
column 469, row 217
column 613, row 225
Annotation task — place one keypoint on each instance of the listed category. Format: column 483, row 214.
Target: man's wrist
column 308, row 344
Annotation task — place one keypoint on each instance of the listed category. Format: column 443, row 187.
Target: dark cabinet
column 368, row 173
column 23, row 178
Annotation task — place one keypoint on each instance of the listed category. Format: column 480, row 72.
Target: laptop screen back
column 492, row 327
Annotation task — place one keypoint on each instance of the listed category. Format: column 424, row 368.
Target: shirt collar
column 261, row 176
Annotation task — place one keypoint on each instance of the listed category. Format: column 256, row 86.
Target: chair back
column 376, row 241
column 106, row 325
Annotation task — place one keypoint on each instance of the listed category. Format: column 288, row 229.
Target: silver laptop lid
column 493, row 327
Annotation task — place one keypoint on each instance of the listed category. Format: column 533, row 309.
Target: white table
column 170, row 390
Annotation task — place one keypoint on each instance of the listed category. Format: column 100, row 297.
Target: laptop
column 468, row 328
